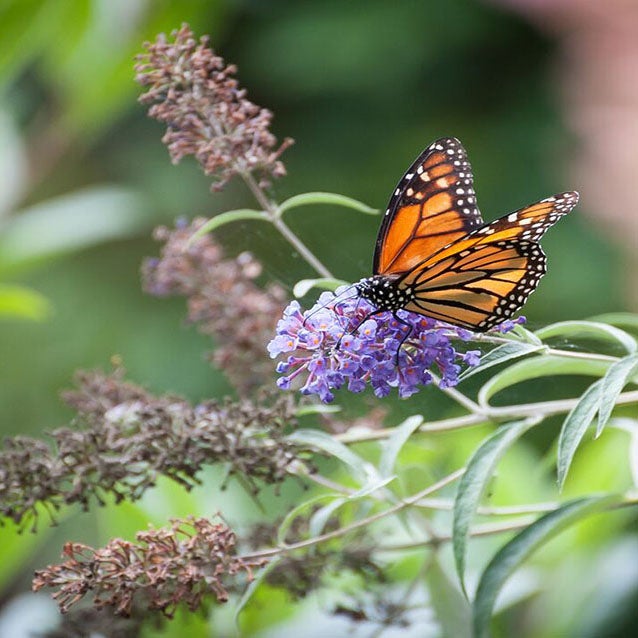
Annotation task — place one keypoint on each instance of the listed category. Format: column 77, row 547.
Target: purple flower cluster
column 333, row 344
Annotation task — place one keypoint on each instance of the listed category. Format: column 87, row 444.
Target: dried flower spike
column 127, row 438
column 165, row 567
column 194, row 92
column 222, row 298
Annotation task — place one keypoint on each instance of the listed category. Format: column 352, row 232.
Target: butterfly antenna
column 336, row 300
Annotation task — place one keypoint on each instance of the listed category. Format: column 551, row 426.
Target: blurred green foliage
column 362, row 86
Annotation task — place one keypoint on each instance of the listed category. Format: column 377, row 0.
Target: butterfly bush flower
column 334, row 345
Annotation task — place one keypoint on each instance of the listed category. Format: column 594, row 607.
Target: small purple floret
column 331, row 346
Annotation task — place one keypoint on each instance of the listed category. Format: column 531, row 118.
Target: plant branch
column 270, row 208
column 489, row 414
column 407, row 502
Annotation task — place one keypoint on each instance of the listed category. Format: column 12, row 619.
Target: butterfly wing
column 482, row 279
column 434, row 204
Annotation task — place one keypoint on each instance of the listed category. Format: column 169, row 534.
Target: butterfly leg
column 351, row 332
column 405, row 337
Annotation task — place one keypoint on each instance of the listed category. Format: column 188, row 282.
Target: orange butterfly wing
column 484, row 278
column 433, row 205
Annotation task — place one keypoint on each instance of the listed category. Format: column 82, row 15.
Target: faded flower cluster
column 125, row 438
column 161, row 569
column 194, row 92
column 223, row 299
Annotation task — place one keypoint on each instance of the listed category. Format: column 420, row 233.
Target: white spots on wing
column 409, row 175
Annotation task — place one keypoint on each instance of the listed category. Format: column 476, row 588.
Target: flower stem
column 270, row 208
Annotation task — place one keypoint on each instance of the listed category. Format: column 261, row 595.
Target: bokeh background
column 540, row 92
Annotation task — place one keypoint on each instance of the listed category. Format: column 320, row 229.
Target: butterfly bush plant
column 379, row 500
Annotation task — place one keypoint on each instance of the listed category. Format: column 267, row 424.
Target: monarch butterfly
column 436, row 256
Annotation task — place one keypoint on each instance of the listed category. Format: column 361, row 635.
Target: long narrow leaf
column 23, row 303
column 574, row 428
column 321, row 517
column 297, row 511
column 393, row 445
column 510, row 556
column 306, row 199
column 324, row 283
column 450, row 606
column 473, row 483
column 249, row 592
column 362, row 470
column 536, row 367
column 625, row 319
column 613, row 382
column 591, row 329
column 501, row 354
column 241, row 214
column 630, row 426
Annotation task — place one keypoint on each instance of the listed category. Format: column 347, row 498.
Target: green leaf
column 395, row 442
column 324, row 283
column 473, row 484
column 27, row 27
column 450, row 606
column 613, row 382
column 537, row 367
column 525, row 335
column 574, row 428
column 317, row 408
column 362, row 470
column 321, row 517
column 13, row 164
column 516, row 551
column 70, row 223
column 253, row 585
column 17, row 550
column 501, row 354
column 23, row 303
column 590, row 329
column 630, row 426
column 306, row 199
column 290, row 517
column 627, row 319
column 241, row 214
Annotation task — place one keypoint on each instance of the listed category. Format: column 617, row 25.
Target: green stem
column 270, row 208
column 364, row 522
column 488, row 415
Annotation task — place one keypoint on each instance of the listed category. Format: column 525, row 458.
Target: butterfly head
column 384, row 293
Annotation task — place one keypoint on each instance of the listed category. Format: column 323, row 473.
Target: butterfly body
column 437, row 257
column 384, row 293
